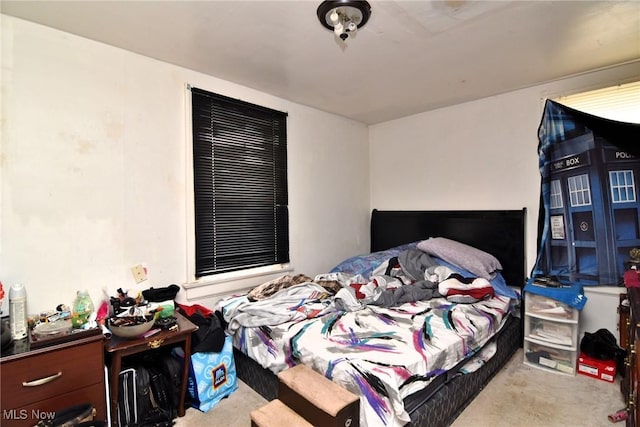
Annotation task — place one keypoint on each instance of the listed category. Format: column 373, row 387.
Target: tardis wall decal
column 590, row 196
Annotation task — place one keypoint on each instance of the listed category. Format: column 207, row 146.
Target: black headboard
column 500, row 233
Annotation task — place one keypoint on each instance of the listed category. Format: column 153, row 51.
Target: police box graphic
column 591, row 207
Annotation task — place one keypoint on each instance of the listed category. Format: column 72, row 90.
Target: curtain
column 589, row 217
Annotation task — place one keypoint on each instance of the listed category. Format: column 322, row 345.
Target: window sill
column 234, row 282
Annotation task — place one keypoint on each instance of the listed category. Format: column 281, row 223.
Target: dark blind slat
column 240, row 183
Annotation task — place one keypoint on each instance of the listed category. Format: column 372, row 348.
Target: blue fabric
column 589, row 167
column 365, row 264
column 572, row 295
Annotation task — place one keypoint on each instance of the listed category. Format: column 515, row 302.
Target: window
column 621, row 103
column 579, row 190
column 240, row 184
column 622, row 187
column 555, row 201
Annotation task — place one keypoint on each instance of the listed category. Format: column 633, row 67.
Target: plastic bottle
column 18, row 311
column 82, row 309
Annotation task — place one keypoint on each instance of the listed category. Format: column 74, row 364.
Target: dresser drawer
column 28, row 416
column 49, row 374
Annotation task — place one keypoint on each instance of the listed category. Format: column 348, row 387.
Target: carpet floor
column 518, row 396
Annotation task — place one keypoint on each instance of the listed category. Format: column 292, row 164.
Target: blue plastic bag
column 212, row 377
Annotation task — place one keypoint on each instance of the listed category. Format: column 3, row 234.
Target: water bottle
column 18, row 311
column 82, row 309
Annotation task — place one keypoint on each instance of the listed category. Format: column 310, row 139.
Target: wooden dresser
column 38, row 382
column 629, row 340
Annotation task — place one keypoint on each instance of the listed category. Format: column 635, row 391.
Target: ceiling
column 412, row 56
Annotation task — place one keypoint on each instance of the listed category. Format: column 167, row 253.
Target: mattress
column 435, row 406
column 381, row 354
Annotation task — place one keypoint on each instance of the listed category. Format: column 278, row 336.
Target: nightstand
column 118, row 348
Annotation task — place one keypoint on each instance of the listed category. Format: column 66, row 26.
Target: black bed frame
column 499, row 232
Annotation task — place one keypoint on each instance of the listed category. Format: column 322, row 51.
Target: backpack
column 166, row 377
column 134, row 396
column 142, row 393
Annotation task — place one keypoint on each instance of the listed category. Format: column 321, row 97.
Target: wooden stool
column 277, row 414
column 318, row 399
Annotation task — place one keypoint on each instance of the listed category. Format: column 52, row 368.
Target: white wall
column 93, row 170
column 481, row 155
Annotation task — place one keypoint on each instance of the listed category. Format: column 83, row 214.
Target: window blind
column 240, row 184
column 620, row 103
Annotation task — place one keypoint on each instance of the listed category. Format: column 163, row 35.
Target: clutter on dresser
column 142, row 314
column 57, row 325
column 22, row 331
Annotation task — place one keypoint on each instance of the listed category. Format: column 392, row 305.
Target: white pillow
column 474, row 260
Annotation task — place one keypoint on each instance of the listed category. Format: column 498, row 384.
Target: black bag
column 77, row 415
column 161, row 294
column 166, row 378
column 138, row 404
column 172, row 368
column 210, row 336
column 602, row 345
column 162, row 395
column 134, row 396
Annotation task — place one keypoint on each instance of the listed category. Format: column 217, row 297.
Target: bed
column 417, row 380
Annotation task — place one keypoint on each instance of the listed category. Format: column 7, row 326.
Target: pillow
column 477, row 262
column 365, row 264
column 499, row 284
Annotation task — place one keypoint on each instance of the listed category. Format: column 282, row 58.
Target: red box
column 601, row 369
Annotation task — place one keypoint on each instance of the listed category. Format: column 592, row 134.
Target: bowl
column 130, row 327
column 54, row 329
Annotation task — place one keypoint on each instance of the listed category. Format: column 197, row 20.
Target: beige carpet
column 518, row 396
column 522, row 396
column 230, row 412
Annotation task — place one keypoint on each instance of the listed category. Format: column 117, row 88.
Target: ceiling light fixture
column 344, row 17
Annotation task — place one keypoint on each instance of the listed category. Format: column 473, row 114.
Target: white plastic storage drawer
column 544, row 307
column 553, row 332
column 550, row 358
